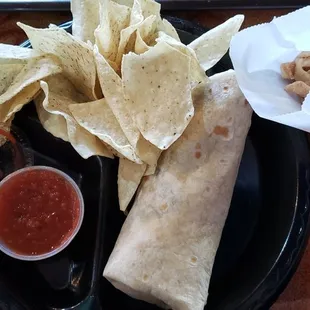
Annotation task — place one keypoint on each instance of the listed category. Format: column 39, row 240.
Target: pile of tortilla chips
column 121, row 85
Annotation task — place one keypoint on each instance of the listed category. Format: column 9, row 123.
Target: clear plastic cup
column 5, row 248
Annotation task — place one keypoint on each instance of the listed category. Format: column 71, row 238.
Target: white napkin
column 257, row 53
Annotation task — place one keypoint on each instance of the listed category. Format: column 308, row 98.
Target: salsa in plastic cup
column 41, row 211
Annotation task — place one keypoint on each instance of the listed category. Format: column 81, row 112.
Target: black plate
column 263, row 238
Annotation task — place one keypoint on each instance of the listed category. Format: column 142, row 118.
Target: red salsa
column 39, row 210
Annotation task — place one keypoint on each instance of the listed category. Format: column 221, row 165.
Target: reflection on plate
column 15, row 152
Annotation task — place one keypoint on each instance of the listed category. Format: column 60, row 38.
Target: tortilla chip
column 26, row 85
column 76, row 56
column 147, row 27
column 33, row 71
column 136, row 15
column 15, row 104
column 82, row 141
column 143, row 44
column 62, row 86
column 8, row 73
column 148, row 152
column 213, row 45
column 145, row 30
column 129, row 178
column 54, row 123
column 149, row 7
column 98, row 119
column 146, row 21
column 85, row 19
column 140, row 46
column 150, row 170
column 113, row 19
column 167, row 28
column 157, row 89
column 11, row 54
column 197, row 73
column 127, row 37
column 111, row 85
column 128, row 3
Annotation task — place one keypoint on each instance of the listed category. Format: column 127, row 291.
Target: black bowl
column 267, row 226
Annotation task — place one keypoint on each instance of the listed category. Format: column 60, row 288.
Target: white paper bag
column 257, row 54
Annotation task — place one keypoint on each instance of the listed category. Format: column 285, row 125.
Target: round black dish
column 267, row 226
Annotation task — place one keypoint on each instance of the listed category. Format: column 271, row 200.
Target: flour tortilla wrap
column 166, row 249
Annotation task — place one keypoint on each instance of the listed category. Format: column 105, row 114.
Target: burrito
column 166, row 249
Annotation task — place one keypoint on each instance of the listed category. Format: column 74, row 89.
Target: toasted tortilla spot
column 221, row 131
column 198, row 154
